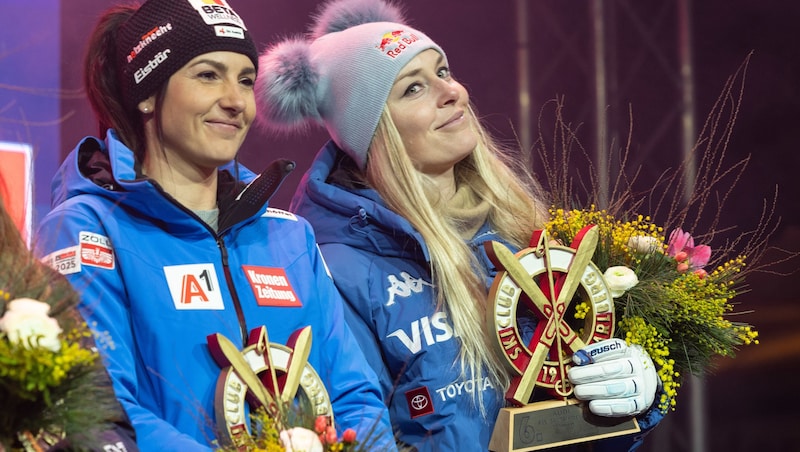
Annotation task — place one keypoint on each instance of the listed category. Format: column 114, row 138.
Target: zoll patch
column 96, row 250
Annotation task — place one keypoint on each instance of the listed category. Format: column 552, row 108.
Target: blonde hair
column 517, row 208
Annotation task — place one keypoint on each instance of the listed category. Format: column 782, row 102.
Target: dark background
column 746, row 403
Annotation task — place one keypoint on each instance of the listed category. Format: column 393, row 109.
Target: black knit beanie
column 164, row 35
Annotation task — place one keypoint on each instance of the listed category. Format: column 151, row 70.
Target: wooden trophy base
column 542, row 425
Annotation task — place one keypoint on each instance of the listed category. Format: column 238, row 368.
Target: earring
column 145, row 110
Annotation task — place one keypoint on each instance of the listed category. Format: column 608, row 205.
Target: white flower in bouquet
column 645, row 244
column 620, row 279
column 27, row 321
column 299, row 439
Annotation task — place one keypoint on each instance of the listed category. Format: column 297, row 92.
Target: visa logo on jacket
column 424, row 328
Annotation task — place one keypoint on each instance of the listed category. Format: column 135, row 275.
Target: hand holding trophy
column 617, row 379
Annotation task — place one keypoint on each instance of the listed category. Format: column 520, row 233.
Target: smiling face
column 205, row 114
column 431, row 111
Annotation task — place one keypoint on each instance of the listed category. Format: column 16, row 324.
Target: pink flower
column 681, row 247
column 320, row 424
column 330, row 435
column 349, row 436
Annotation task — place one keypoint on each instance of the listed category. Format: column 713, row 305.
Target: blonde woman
column 402, row 199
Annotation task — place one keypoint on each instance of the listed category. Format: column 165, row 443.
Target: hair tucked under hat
column 163, row 35
column 342, row 75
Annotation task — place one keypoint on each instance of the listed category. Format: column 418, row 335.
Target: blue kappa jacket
column 156, row 280
column 381, row 266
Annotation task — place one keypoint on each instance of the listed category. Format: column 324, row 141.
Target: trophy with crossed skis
column 542, row 282
column 267, row 375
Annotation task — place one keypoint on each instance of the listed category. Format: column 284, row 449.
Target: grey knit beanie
column 163, row 35
column 342, row 75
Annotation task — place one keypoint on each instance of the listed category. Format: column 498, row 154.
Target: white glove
column 618, row 380
column 299, row 439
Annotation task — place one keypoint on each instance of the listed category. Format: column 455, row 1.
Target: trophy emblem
column 544, row 281
column 267, row 375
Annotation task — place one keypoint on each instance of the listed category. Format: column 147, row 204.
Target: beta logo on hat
column 216, row 12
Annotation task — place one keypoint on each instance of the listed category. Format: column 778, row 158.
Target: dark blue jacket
column 380, row 264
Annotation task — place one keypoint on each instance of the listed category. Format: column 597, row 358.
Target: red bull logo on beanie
column 395, row 42
column 215, row 12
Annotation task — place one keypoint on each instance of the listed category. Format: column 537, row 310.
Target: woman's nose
column 233, row 98
column 448, row 91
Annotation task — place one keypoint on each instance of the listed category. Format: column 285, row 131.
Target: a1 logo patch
column 194, row 287
column 271, row 286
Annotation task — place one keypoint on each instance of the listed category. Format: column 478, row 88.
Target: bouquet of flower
column 666, row 300
column 672, row 295
column 51, row 380
column 269, row 434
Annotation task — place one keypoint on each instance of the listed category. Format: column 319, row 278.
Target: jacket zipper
column 237, row 304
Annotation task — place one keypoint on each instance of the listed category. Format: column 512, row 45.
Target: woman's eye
column 247, row 81
column 413, row 89
column 207, row 75
column 444, row 72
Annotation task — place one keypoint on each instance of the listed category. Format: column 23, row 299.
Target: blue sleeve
column 358, row 308
column 104, row 306
column 355, row 395
column 366, row 338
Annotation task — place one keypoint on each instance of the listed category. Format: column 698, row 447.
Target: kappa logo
column 419, row 402
column 194, row 287
column 271, row 286
column 96, row 250
column 405, row 287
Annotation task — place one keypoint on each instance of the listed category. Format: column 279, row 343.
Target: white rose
column 619, row 279
column 300, row 439
column 645, row 244
column 27, row 319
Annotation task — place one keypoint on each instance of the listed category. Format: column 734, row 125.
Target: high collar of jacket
column 356, row 217
column 107, row 168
